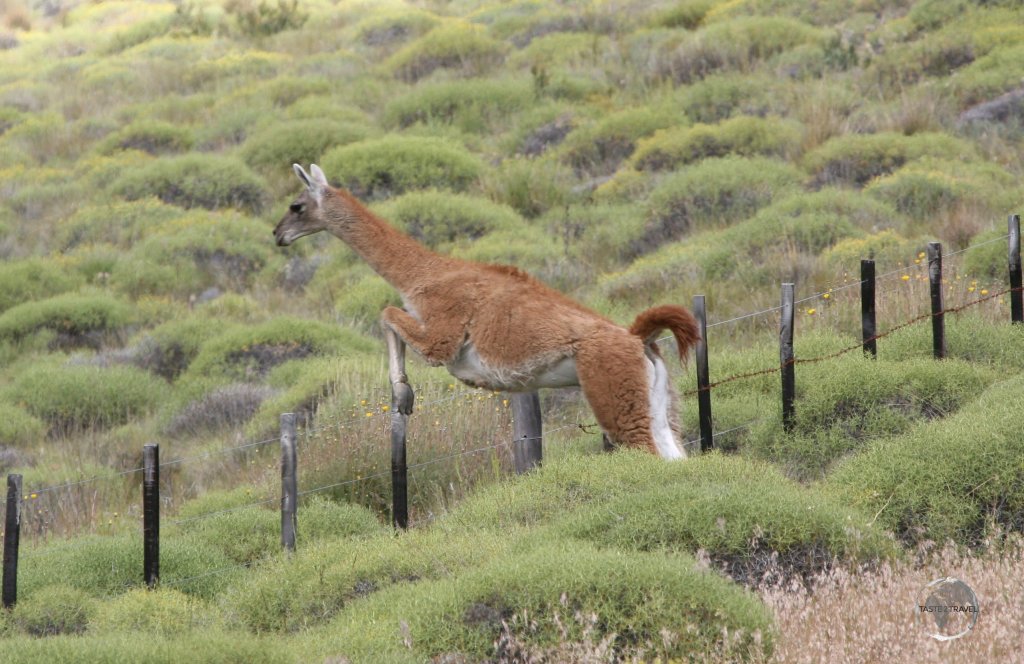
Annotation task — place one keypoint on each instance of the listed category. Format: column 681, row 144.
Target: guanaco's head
column 304, row 216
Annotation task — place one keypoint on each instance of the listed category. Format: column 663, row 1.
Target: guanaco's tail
column 676, row 319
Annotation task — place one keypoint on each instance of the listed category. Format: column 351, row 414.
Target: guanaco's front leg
column 402, row 396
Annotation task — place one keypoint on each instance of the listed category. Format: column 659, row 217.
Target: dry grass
column 871, row 617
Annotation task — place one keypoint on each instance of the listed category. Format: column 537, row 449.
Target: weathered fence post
column 868, row 323
column 151, row 514
column 707, row 440
column 1016, row 293
column 528, row 445
column 399, row 470
column 786, row 356
column 935, row 283
column 289, row 481
column 12, row 538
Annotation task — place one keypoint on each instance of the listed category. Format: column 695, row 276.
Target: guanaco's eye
column 297, row 208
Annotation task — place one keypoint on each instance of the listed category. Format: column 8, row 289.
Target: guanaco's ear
column 315, row 184
column 318, row 175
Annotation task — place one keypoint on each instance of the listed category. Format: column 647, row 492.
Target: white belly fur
column 470, row 369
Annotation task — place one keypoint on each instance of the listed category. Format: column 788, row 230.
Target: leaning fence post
column 528, row 445
column 786, row 357
column 151, row 514
column 1016, row 291
column 399, row 469
column 289, row 482
column 868, row 324
column 12, row 538
column 935, row 283
column 707, row 440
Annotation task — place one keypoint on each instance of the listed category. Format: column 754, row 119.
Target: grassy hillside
column 628, row 153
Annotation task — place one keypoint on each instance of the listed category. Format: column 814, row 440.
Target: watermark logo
column 947, row 609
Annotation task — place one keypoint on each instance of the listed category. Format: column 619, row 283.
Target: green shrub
column 473, row 105
column 530, row 186
column 929, row 187
column 120, row 223
column 75, row 397
column 858, row 158
column 195, row 180
column 205, row 646
column 955, row 479
column 168, row 349
column 303, row 141
column 56, row 609
column 628, row 598
column 969, row 337
column 849, row 401
column 439, row 218
column 742, row 136
column 989, row 76
column 77, row 320
column 719, row 97
column 529, row 249
column 360, row 303
column 184, row 256
column 598, row 148
column 988, row 260
column 250, row 352
column 33, row 279
column 163, row 611
column 379, row 168
column 462, row 47
column 712, row 192
column 887, row 248
column 152, row 136
column 265, row 19
column 387, row 28
column 223, row 406
column 18, row 428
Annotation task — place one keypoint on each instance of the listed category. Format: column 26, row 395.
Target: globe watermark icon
column 947, row 609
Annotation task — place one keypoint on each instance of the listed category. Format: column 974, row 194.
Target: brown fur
column 518, row 326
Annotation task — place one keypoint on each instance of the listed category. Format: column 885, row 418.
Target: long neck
column 399, row 259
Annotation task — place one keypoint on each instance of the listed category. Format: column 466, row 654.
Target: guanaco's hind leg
column 612, row 369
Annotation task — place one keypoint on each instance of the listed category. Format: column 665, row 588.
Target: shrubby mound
column 387, row 29
column 598, row 148
column 164, row 611
column 473, row 105
column 76, row 397
column 53, row 610
column 439, row 218
column 302, row 141
column 119, row 223
column 720, row 97
column 847, row 402
column 152, row 136
column 33, row 279
column 385, row 167
column 742, row 136
column 886, row 247
column 17, row 427
column 226, row 406
column 957, row 479
column 74, row 320
column 250, row 352
column 168, row 349
column 187, row 255
column 195, row 180
column 858, row 158
column 460, row 47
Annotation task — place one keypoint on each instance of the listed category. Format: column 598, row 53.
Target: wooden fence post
column 528, row 445
column 12, row 538
column 707, row 439
column 399, row 469
column 289, row 482
column 786, row 356
column 935, row 283
column 868, row 324
column 151, row 514
column 1016, row 294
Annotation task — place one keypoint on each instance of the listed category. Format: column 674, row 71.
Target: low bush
column 714, row 192
column 33, row 279
column 599, row 147
column 249, row 353
column 76, row 320
column 75, row 397
column 742, row 136
column 18, row 428
column 195, row 180
column 460, row 47
column 559, row 594
column 387, row 29
column 858, row 158
column 951, row 480
column 989, row 76
column 168, row 349
column 53, row 610
column 873, row 399
column 225, row 406
column 303, row 141
column 119, row 223
column 439, row 218
column 473, row 105
column 389, row 166
column 887, row 248
column 987, row 260
column 722, row 96
column 530, row 186
column 152, row 136
column 164, row 611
